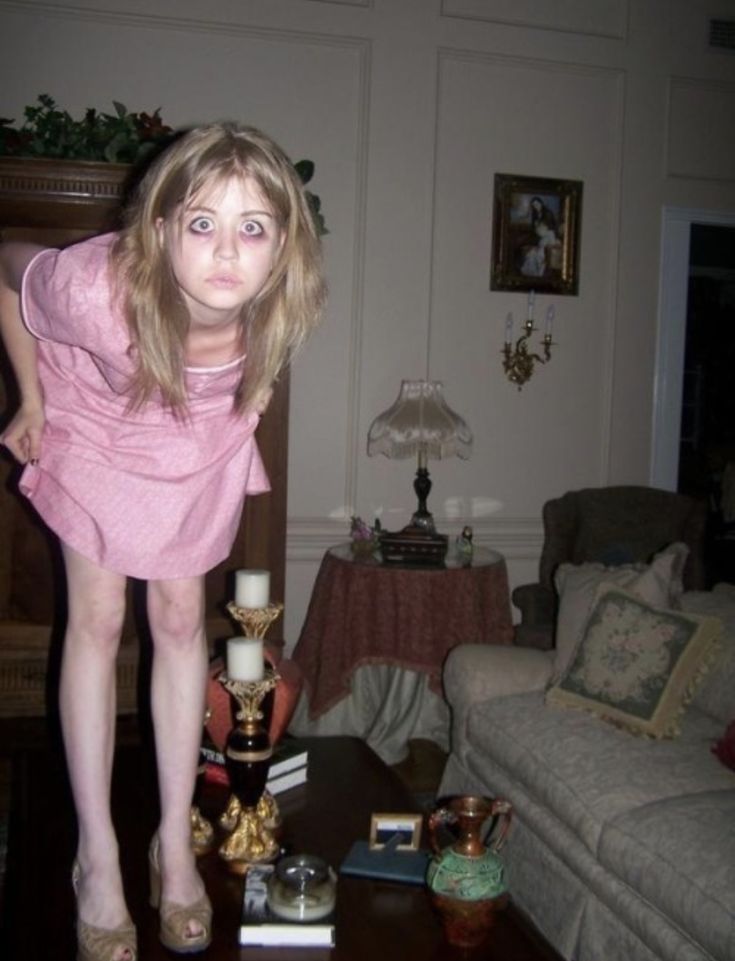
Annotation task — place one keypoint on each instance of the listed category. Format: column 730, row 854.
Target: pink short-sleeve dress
column 141, row 493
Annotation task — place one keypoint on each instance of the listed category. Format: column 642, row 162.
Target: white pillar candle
column 509, row 328
column 252, row 588
column 245, row 659
column 531, row 301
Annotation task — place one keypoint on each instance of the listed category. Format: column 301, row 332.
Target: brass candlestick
column 247, row 759
column 519, row 361
column 254, row 621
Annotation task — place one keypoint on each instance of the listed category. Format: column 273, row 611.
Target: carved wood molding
column 36, row 191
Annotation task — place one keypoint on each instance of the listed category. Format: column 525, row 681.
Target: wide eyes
column 252, row 228
column 205, row 225
column 201, row 225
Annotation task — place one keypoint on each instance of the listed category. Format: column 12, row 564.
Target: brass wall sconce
column 518, row 360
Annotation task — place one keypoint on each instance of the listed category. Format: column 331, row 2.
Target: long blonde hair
column 276, row 322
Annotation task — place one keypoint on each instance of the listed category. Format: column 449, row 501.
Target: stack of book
column 260, row 926
column 288, row 766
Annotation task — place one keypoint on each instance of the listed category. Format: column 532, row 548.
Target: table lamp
column 420, row 423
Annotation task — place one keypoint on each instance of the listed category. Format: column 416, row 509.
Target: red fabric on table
column 363, row 612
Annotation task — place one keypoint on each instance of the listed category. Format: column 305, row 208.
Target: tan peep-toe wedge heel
column 102, row 944
column 175, row 918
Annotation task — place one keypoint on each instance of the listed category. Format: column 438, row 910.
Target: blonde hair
column 276, row 322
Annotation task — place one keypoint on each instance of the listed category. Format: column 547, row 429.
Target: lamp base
column 414, row 545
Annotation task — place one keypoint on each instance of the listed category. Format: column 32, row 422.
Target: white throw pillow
column 658, row 583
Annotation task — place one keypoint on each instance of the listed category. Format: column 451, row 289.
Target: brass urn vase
column 466, row 878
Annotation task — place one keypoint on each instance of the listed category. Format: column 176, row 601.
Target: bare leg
column 87, row 703
column 176, row 616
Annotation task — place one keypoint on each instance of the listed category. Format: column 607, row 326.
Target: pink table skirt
column 363, row 612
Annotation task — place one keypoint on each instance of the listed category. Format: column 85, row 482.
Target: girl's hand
column 22, row 436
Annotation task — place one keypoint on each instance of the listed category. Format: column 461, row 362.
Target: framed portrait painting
column 536, row 231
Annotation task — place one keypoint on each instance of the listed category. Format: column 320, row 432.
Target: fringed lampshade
column 420, row 423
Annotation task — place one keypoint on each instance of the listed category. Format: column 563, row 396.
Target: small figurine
column 464, row 546
column 365, row 539
column 359, row 530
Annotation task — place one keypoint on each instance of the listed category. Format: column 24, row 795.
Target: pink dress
column 140, row 493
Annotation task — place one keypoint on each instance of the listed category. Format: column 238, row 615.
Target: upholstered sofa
column 622, row 846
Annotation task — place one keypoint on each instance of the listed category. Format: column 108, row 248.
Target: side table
column 363, row 612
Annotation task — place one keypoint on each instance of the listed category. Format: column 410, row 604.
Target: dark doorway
column 707, row 442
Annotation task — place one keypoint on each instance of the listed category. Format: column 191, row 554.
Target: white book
column 263, row 928
column 217, row 774
column 285, row 758
column 276, row 785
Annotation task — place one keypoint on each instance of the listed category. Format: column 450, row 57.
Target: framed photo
column 536, row 231
column 384, row 828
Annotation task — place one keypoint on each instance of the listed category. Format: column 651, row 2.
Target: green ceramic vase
column 466, row 878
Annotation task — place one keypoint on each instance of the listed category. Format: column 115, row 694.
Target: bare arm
column 22, row 436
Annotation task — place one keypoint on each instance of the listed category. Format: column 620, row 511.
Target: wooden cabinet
column 57, row 203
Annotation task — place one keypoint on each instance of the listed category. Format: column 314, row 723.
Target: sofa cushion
column 658, row 583
column 588, row 772
column 716, row 694
column 679, row 855
column 636, row 664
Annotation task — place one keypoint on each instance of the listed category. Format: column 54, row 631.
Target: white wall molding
column 367, row 4
column 587, row 18
column 354, row 382
column 154, row 21
column 573, row 67
column 700, row 129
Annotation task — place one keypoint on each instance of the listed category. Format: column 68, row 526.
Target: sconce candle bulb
column 509, row 328
column 549, row 320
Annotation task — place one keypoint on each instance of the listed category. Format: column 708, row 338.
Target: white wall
column 409, row 108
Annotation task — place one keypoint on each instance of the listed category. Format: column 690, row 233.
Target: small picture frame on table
column 536, row 234
column 386, row 827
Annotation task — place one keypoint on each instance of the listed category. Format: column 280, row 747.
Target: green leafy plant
column 120, row 137
column 305, row 170
column 48, row 131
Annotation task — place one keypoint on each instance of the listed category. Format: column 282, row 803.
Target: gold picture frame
column 536, row 234
column 385, row 826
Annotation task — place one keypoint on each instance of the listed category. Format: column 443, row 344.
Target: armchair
column 610, row 525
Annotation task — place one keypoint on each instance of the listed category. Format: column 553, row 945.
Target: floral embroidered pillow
column 658, row 583
column 637, row 665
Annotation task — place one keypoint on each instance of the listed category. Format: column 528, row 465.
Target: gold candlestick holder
column 519, row 361
column 247, row 759
column 254, row 621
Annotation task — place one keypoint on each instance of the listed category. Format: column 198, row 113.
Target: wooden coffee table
column 346, row 783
